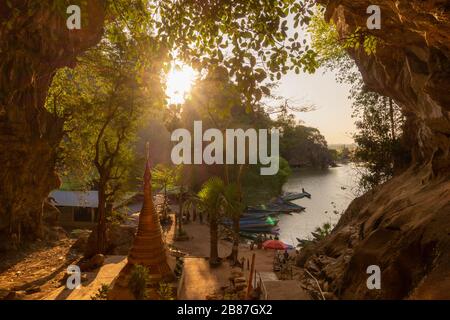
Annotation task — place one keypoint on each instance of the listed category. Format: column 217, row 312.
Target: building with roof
column 78, row 208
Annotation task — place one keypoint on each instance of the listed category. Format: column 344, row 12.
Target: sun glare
column 179, row 83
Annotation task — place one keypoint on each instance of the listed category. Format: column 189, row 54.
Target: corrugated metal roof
column 87, row 199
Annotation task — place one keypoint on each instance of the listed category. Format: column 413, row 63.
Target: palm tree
column 215, row 198
column 233, row 198
column 211, row 198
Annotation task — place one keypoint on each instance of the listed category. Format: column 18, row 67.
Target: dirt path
column 36, row 271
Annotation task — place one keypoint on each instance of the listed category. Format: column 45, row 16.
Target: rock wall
column 402, row 226
column 34, row 43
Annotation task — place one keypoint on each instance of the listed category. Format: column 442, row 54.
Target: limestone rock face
column 402, row 226
column 411, row 65
column 34, row 43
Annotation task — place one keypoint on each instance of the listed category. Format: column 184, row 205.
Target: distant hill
column 338, row 147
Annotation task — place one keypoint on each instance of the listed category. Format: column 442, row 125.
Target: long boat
column 285, row 207
column 282, row 207
column 251, row 217
column 249, row 223
column 262, row 229
column 254, row 236
column 258, row 211
column 289, row 196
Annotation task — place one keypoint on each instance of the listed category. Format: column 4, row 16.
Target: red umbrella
column 275, row 244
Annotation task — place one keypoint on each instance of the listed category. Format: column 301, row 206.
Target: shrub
column 102, row 293
column 138, row 282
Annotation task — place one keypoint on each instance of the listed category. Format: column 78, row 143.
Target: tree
column 379, row 146
column 248, row 38
column 233, row 209
column 301, row 145
column 216, row 198
column 103, row 101
column 165, row 178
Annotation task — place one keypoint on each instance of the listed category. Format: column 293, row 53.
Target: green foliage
column 301, row 145
column 166, row 177
column 216, row 101
column 102, row 293
column 219, row 198
column 242, row 36
column 211, row 196
column 165, row 291
column 248, row 39
column 258, row 188
column 330, row 46
column 138, row 282
column 325, row 39
column 379, row 146
column 104, row 102
column 323, row 231
column 179, row 267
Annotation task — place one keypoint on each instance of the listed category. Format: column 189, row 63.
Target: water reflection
column 332, row 191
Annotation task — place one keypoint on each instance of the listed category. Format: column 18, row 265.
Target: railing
column 258, row 283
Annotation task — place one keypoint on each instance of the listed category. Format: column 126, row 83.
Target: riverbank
column 203, row 282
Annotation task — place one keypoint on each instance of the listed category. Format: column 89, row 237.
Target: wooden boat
column 262, row 229
column 258, row 211
column 289, row 196
column 250, row 217
column 285, row 207
column 249, row 223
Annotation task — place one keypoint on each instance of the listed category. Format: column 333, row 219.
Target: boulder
column 96, row 261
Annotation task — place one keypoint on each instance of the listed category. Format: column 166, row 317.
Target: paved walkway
column 200, row 280
column 285, row 290
column 105, row 275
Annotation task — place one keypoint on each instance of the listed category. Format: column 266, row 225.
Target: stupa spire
column 148, row 247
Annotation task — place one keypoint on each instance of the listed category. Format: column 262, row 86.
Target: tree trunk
column 391, row 115
column 180, row 215
column 34, row 43
column 235, row 248
column 214, row 251
column 165, row 205
column 101, row 224
column 236, row 222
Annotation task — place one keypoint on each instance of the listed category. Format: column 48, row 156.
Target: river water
column 331, row 191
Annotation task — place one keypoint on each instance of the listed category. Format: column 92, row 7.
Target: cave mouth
column 80, row 98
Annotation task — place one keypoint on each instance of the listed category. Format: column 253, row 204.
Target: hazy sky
column 333, row 114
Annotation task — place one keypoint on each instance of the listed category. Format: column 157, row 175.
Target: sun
column 179, row 83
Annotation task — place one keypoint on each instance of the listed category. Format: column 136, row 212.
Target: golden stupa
column 148, row 248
